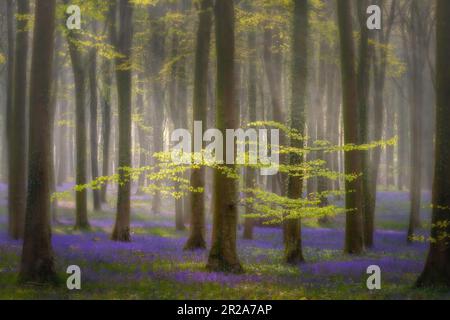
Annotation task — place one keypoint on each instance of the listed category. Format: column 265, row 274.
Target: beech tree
column 354, row 243
column 196, row 238
column 37, row 264
column 223, row 255
column 121, row 230
column 292, row 234
column 437, row 267
column 79, row 74
column 17, row 139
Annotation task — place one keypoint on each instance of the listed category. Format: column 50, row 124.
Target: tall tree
column 93, row 124
column 10, row 73
column 223, row 255
column 437, row 267
column 416, row 121
column 156, row 65
column 196, row 238
column 354, row 243
column 379, row 57
column 37, row 264
column 250, row 174
column 106, row 77
column 17, row 140
column 292, row 231
column 121, row 230
column 363, row 85
column 79, row 74
column 176, row 109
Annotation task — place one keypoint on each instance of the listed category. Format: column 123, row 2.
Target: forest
column 225, row 149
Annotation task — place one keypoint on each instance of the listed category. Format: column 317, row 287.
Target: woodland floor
column 154, row 265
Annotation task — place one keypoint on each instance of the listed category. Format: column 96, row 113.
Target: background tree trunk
column 106, row 100
column 250, row 173
column 93, row 125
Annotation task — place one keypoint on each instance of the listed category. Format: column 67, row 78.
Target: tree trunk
column 363, row 85
column 37, row 264
column 223, row 255
column 121, row 230
column 417, row 62
column 157, row 48
column 9, row 78
column 250, row 173
column 93, row 126
column 200, row 110
column 141, row 132
column 292, row 226
column 354, row 242
column 18, row 141
column 80, row 129
column 106, row 101
column 437, row 267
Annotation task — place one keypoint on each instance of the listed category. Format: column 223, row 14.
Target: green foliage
column 167, row 177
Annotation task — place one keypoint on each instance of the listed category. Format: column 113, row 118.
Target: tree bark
column 223, row 255
column 200, row 110
column 417, row 63
column 106, row 101
column 93, row 125
column 363, row 85
column 292, row 226
column 121, row 230
column 73, row 36
column 157, row 52
column 37, row 264
column 17, row 185
column 9, row 78
column 354, row 242
column 250, row 173
column 437, row 267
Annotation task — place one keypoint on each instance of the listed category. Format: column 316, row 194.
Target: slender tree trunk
column 379, row 57
column 93, row 126
column 18, row 141
column 200, row 107
column 223, row 255
column 63, row 140
column 417, row 84
column 272, row 66
column 437, row 267
column 141, row 131
column 106, row 102
column 80, row 129
column 37, row 264
column 157, row 52
column 354, row 242
column 177, row 118
column 250, row 174
column 292, row 226
column 321, row 129
column 53, row 104
column 121, row 230
column 10, row 79
column 363, row 85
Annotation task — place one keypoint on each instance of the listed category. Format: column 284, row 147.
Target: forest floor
column 154, row 265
